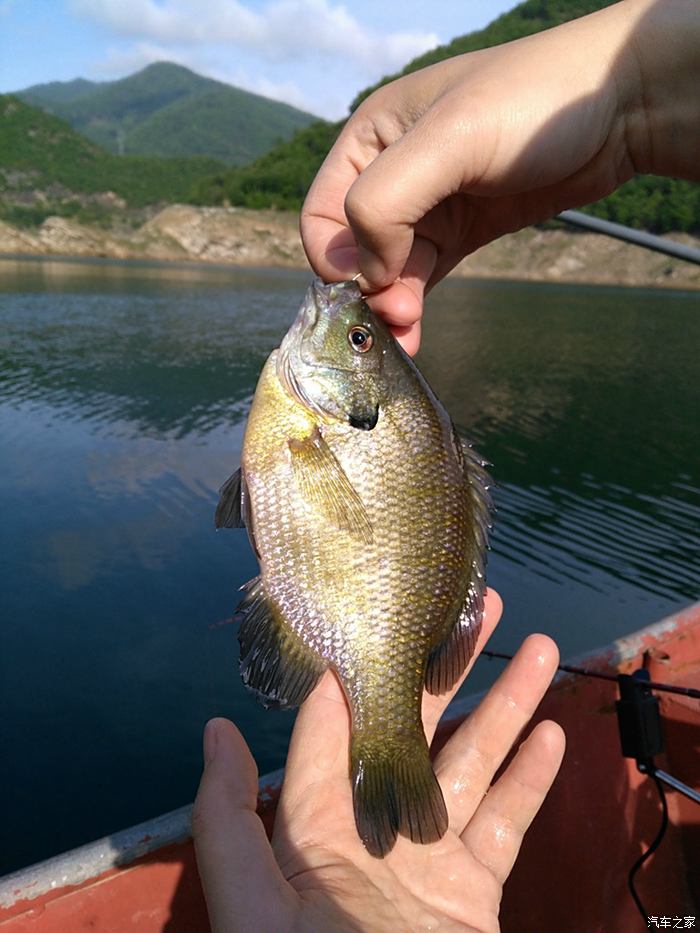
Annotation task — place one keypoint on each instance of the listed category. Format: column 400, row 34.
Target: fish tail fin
column 395, row 791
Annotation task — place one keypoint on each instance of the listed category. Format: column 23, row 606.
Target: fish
column 370, row 520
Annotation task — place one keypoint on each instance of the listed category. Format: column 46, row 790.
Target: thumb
column 243, row 885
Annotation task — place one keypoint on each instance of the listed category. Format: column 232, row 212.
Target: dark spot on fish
column 365, row 423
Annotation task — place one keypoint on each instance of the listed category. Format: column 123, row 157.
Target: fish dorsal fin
column 449, row 658
column 324, row 484
column 275, row 663
column 479, row 482
column 230, row 510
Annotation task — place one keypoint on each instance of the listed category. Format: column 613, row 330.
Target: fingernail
column 210, row 741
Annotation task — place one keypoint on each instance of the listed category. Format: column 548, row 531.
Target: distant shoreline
column 243, row 237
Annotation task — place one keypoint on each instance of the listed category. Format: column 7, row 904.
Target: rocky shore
column 268, row 238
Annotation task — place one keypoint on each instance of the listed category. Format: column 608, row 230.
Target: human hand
column 317, row 875
column 442, row 161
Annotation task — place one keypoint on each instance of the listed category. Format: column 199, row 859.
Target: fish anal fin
column 395, row 791
column 324, row 484
column 275, row 662
column 230, row 512
column 449, row 658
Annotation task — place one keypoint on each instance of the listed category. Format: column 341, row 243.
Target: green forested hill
column 279, row 179
column 168, row 110
column 283, row 175
column 41, row 152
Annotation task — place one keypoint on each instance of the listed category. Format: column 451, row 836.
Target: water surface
column 123, row 394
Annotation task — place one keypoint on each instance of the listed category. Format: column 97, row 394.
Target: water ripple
column 651, row 543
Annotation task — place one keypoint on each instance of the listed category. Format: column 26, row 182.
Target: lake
column 124, row 390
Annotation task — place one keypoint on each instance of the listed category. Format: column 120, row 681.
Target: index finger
column 466, row 765
column 326, row 236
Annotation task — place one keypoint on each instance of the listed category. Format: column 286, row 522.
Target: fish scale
column 370, row 541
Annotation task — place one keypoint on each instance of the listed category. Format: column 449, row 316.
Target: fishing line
column 692, row 692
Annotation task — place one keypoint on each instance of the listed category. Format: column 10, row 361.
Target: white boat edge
column 120, row 849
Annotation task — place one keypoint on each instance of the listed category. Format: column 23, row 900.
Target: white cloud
column 174, row 20
column 287, row 91
column 283, row 30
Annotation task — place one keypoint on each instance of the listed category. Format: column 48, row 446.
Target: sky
column 314, row 54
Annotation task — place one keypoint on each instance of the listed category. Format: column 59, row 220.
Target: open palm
column 317, row 875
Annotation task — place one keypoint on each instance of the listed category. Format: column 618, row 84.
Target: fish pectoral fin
column 275, row 662
column 449, row 658
column 231, row 508
column 324, row 483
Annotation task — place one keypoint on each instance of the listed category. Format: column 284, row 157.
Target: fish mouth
column 320, row 298
column 326, row 300
column 327, row 296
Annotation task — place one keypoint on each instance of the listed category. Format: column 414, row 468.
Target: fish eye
column 360, row 338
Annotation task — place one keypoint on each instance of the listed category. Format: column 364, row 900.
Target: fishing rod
column 692, row 692
column 659, row 244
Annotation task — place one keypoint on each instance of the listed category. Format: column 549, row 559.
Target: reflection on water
column 587, row 402
column 123, row 394
column 167, row 357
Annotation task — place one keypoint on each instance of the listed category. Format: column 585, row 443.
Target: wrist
column 662, row 105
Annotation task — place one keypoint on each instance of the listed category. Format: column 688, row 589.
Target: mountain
column 46, row 166
column 57, row 92
column 283, row 175
column 168, row 110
